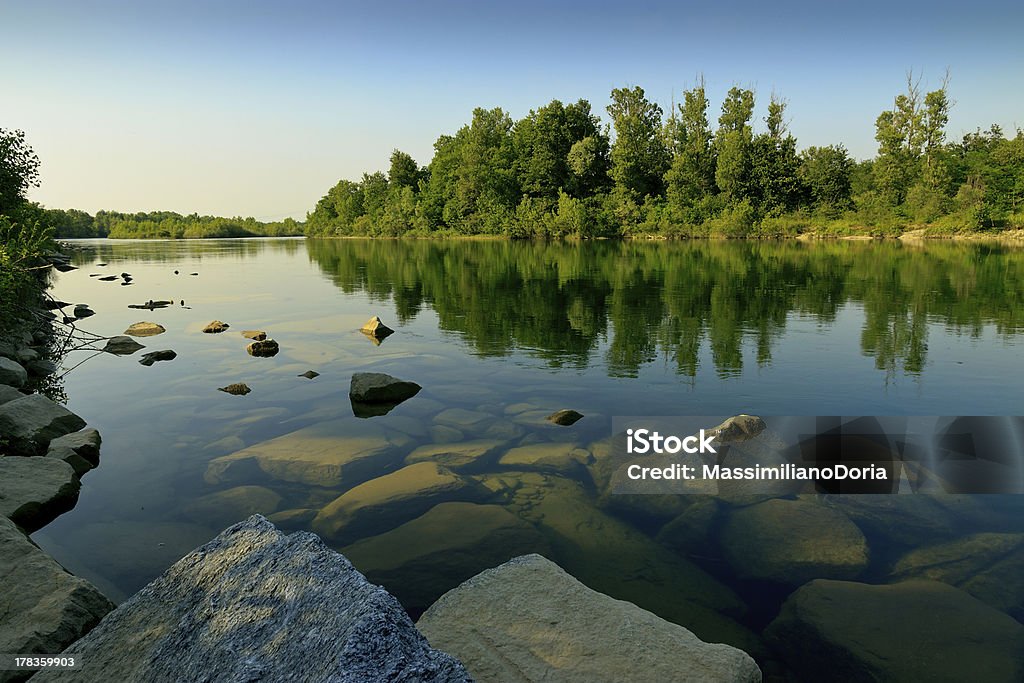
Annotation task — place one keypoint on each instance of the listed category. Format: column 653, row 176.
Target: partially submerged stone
column 236, row 389
column 565, row 418
column 263, row 349
column 85, row 443
column 377, row 387
column 254, row 604
column 383, row 503
column 45, row 608
column 35, row 491
column 528, row 620
column 122, row 346
column 255, row 335
column 910, row 631
column 792, row 542
column 738, row 428
column 154, row 356
column 215, row 327
column 227, row 507
column 31, row 422
column 310, row 374
column 376, row 329
column 83, row 311
column 145, row 329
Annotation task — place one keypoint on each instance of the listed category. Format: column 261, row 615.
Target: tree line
column 160, row 225
column 561, row 172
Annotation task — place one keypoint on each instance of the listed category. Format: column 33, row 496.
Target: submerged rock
column 738, row 428
column 383, row 503
column 528, row 620
column 792, row 542
column 989, row 566
column 122, row 346
column 237, row 389
column 12, row 373
column 227, row 507
column 376, row 387
column 563, row 458
column 909, row 631
column 335, row 454
column 46, row 609
column 255, row 335
column 455, row 455
column 31, row 422
column 565, row 418
column 263, row 349
column 35, row 491
column 254, row 604
column 310, row 374
column 215, row 327
column 154, row 356
column 145, row 329
column 420, row 560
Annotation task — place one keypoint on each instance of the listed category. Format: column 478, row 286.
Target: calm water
column 510, row 332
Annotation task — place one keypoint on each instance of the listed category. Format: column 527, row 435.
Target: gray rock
column 236, row 389
column 145, row 329
column 528, row 620
column 254, row 604
column 11, row 373
column 26, row 355
column 31, row 422
column 8, row 393
column 420, row 560
column 383, row 503
column 263, row 349
column 376, row 387
column 910, row 631
column 122, row 346
column 41, row 367
column 35, row 491
column 45, row 609
column 85, row 443
column 255, row 335
column 214, row 326
column 154, row 356
column 79, row 464
column 792, row 542
column 565, row 418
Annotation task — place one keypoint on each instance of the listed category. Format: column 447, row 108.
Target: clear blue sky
column 257, row 108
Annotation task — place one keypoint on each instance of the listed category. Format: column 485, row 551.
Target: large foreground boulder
column 910, row 631
column 376, row 387
column 528, row 620
column 43, row 609
column 255, row 604
column 34, row 491
column 30, row 423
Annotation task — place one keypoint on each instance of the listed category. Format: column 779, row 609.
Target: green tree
column 403, row 171
column 19, row 169
column 774, row 174
column 827, row 173
column 692, row 174
column 639, row 156
column 733, row 142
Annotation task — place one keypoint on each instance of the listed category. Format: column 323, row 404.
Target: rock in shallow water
column 910, row 631
column 565, row 418
column 34, row 491
column 215, row 327
column 122, row 346
column 236, row 389
column 145, row 329
column 31, row 422
column 528, row 620
column 263, row 349
column 154, row 356
column 376, row 387
column 45, row 609
column 254, row 604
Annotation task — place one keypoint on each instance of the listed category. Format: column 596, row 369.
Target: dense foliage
column 560, row 172
column 23, row 238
